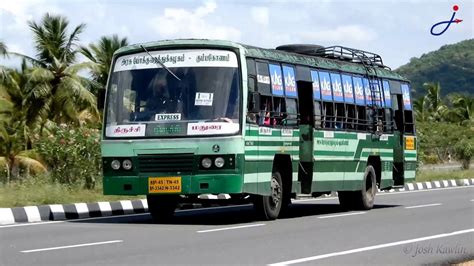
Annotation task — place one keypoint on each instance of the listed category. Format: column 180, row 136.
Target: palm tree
column 434, row 103
column 421, row 112
column 101, row 54
column 17, row 125
column 463, row 108
column 3, row 52
column 57, row 89
column 3, row 48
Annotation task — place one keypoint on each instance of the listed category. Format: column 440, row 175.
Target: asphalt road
column 408, row 228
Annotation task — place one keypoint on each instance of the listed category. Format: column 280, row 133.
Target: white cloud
column 183, row 23
column 260, row 15
column 347, row 33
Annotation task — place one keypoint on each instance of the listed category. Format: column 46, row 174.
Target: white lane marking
column 229, row 228
column 72, row 246
column 422, row 206
column 223, row 207
column 386, row 245
column 472, row 200
column 340, row 215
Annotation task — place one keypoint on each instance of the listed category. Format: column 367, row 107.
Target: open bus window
column 361, row 118
column 266, row 110
column 351, row 116
column 291, row 118
column 328, row 118
column 340, row 116
column 317, row 115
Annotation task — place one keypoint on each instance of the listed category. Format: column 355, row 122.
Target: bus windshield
column 144, row 99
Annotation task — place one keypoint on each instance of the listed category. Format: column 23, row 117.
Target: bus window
column 370, row 116
column 266, row 110
column 351, row 116
column 278, row 110
column 291, row 112
column 361, row 118
column 317, row 115
column 263, row 78
column 328, row 118
column 340, row 116
column 251, row 70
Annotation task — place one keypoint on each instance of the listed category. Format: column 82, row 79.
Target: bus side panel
column 341, row 159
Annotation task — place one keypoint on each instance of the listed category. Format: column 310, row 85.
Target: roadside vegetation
column 50, row 121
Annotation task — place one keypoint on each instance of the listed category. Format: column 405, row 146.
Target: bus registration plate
column 164, row 184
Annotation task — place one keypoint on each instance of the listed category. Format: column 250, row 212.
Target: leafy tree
column 4, row 53
column 451, row 65
column 16, row 126
column 58, row 92
column 465, row 151
column 463, row 107
column 421, row 112
column 435, row 106
column 101, row 54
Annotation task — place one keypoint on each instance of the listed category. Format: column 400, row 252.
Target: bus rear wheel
column 364, row 198
column 269, row 207
column 162, row 207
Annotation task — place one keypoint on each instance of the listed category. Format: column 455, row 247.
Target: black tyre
column 162, row 207
column 362, row 199
column 269, row 207
column 346, row 199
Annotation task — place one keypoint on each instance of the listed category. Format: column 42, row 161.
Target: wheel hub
column 276, row 192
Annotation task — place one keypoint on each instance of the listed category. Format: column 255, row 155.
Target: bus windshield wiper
column 160, row 63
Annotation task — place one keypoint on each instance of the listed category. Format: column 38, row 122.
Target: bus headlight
column 115, row 164
column 127, row 164
column 219, row 162
column 206, row 163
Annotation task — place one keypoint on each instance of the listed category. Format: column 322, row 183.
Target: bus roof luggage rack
column 351, row 55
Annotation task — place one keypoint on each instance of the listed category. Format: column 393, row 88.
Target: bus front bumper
column 190, row 184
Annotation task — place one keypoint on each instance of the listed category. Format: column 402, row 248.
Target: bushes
column 72, row 154
column 465, row 151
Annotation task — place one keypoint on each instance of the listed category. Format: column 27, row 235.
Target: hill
column 451, row 65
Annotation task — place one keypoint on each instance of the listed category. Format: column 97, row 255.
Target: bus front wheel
column 162, row 207
column 269, row 207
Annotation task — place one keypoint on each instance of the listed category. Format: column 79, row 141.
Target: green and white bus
column 185, row 118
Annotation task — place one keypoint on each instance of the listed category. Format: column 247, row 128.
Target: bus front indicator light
column 115, row 164
column 206, row 163
column 219, row 162
column 127, row 164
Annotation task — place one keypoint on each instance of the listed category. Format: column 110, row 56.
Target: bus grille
column 166, row 163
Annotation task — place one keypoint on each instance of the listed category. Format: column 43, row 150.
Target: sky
column 397, row 30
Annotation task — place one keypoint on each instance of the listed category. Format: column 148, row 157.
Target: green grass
column 39, row 191
column 433, row 175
